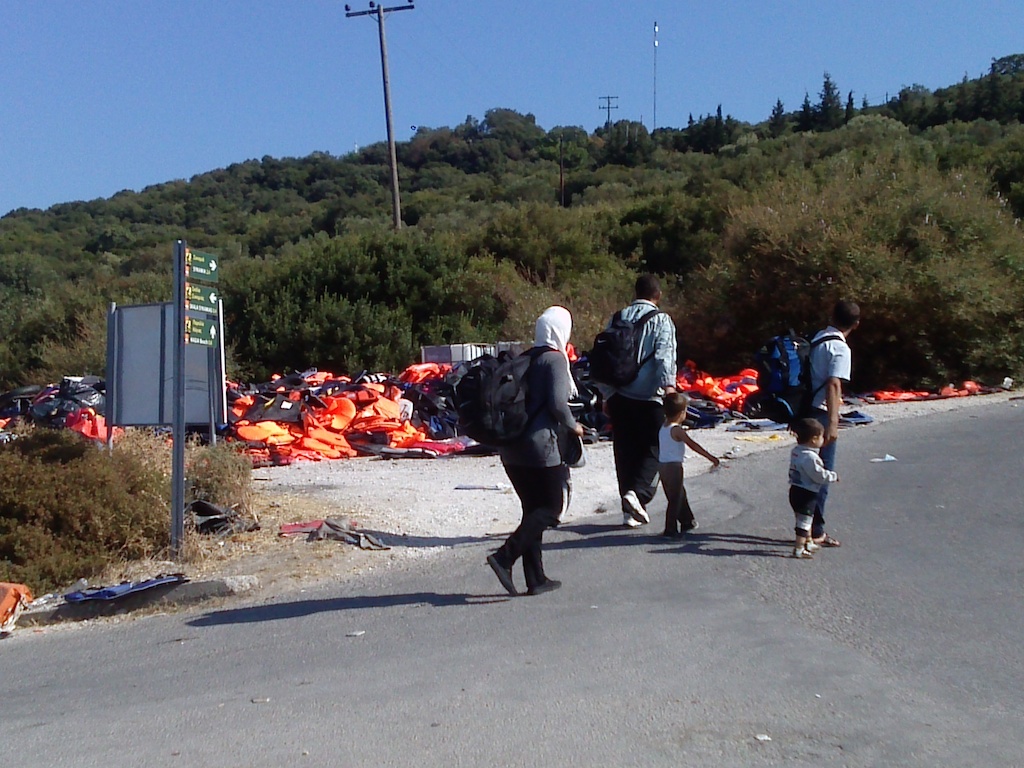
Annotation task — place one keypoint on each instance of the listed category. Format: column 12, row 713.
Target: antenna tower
column 654, row 120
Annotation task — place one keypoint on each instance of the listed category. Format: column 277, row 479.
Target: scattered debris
column 333, row 528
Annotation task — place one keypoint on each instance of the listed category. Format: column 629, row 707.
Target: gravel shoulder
column 424, row 507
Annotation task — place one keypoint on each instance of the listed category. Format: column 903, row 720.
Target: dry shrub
column 70, row 509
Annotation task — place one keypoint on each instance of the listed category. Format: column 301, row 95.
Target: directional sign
column 201, row 298
column 201, row 266
column 201, row 331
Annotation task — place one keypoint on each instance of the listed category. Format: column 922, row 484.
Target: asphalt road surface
column 902, row 647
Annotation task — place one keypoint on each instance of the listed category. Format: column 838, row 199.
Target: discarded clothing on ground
column 335, row 529
column 209, row 518
column 124, row 588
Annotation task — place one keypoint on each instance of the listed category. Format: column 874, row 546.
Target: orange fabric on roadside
column 333, row 439
column 87, row 422
column 13, row 598
column 387, row 409
column 727, row 391
column 242, row 405
column 405, row 436
column 900, row 395
column 269, row 432
column 312, row 444
column 341, row 410
column 317, row 378
column 967, row 388
column 420, row 372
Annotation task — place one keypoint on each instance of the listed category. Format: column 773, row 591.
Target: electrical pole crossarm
column 374, row 11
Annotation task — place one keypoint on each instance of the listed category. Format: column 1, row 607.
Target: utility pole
column 608, row 107
column 654, row 121
column 378, row 12
column 561, row 171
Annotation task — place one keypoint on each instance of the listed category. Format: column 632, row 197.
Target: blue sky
column 100, row 96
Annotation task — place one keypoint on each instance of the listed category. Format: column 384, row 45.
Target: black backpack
column 491, row 399
column 615, row 358
column 784, row 391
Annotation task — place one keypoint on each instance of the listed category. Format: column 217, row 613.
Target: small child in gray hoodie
column 807, row 474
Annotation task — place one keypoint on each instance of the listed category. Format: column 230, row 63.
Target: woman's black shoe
column 504, row 575
column 548, row 586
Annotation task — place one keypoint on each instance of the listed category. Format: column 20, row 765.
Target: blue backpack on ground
column 491, row 399
column 615, row 358
column 784, row 391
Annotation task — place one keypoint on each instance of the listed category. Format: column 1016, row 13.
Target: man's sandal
column 827, row 541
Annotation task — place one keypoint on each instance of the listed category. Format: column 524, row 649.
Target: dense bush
column 935, row 263
column 69, row 509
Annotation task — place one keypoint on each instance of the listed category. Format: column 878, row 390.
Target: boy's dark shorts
column 802, row 500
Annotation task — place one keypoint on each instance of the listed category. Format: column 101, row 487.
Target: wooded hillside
column 912, row 208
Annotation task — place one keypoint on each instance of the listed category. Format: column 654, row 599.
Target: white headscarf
column 553, row 329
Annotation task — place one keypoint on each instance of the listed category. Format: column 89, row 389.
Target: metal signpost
column 191, row 270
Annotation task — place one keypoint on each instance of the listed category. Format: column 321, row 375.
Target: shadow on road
column 729, row 545
column 302, row 608
column 397, row 541
column 733, row 544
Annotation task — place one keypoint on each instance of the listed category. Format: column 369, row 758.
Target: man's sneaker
column 692, row 527
column 811, row 547
column 632, row 507
column 801, row 553
column 629, row 521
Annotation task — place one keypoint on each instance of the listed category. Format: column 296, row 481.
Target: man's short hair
column 806, row 430
column 675, row 403
column 647, row 287
column 845, row 314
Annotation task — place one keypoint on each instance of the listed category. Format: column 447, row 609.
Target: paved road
column 901, row 648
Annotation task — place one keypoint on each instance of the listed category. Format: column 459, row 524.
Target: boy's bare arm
column 698, row 448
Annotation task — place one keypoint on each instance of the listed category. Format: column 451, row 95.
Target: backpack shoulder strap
column 829, row 337
column 640, row 324
column 815, row 343
column 647, row 317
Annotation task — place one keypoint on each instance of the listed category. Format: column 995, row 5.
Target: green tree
column 829, row 112
column 777, row 121
column 805, row 119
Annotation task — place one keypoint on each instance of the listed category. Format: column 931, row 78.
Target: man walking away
column 831, row 364
column 635, row 408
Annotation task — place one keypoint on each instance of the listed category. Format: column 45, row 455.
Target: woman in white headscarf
column 534, row 463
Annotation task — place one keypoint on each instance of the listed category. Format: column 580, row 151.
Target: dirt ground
column 423, row 507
